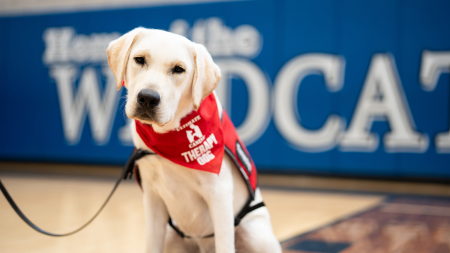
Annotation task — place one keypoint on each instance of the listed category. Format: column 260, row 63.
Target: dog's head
column 166, row 75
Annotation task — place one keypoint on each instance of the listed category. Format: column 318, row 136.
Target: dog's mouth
column 145, row 117
column 148, row 118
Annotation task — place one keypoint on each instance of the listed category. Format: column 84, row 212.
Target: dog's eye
column 139, row 60
column 178, row 69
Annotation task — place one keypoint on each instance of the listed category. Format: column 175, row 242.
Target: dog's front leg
column 219, row 197
column 221, row 209
column 156, row 217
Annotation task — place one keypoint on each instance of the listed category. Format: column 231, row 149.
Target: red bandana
column 200, row 142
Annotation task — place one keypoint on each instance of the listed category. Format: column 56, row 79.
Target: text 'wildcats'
column 78, row 60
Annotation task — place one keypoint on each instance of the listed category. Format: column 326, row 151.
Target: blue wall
column 405, row 37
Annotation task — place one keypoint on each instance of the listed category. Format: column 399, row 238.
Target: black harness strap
column 182, row 235
column 127, row 173
column 245, row 210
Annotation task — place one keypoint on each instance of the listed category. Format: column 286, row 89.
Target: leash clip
column 131, row 163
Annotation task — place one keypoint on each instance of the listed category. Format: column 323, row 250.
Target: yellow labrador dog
column 175, row 75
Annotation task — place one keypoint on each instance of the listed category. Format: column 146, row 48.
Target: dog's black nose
column 148, row 98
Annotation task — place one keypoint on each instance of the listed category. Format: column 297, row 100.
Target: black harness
column 127, row 173
column 245, row 209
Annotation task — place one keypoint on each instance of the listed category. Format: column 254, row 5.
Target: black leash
column 127, row 173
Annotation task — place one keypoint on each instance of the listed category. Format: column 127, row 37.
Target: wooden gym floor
column 59, row 198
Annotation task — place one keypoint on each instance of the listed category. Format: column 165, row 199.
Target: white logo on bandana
column 197, row 133
column 202, row 153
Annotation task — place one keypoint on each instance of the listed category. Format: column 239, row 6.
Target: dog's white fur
column 199, row 202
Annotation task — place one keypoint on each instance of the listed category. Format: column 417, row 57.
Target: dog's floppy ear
column 206, row 77
column 118, row 53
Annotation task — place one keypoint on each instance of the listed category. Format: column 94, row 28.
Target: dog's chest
column 180, row 189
